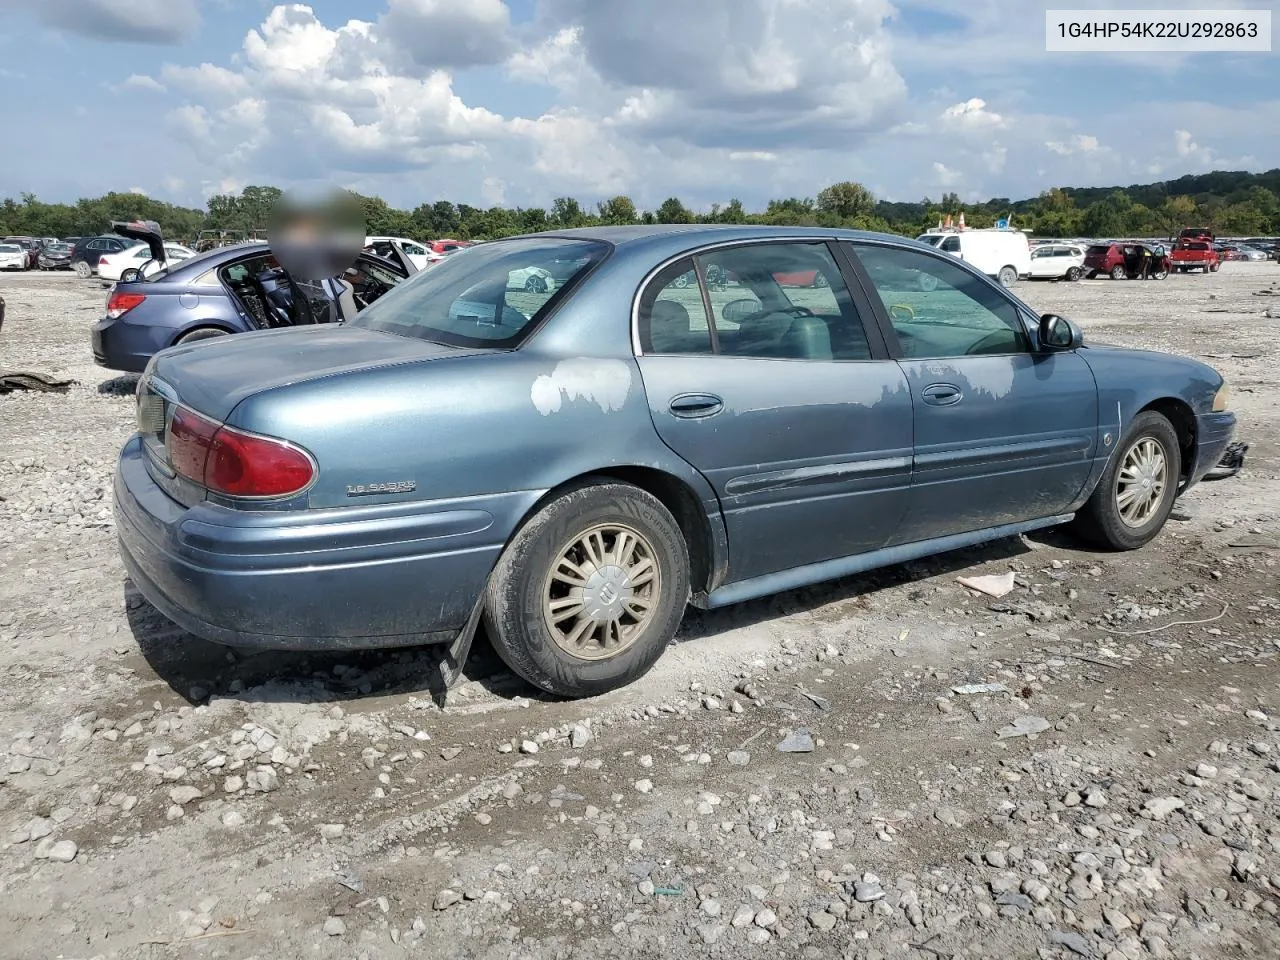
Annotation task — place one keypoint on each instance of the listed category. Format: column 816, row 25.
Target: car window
column 938, row 308
column 782, row 301
column 1041, row 253
column 414, row 250
column 672, row 317
column 369, row 281
column 951, row 245
column 494, row 296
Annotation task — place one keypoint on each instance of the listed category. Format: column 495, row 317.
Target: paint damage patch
column 605, row 383
column 990, row 375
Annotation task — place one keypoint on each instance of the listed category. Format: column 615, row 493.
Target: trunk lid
column 213, row 376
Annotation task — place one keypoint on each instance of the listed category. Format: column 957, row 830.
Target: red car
column 446, row 247
column 1123, row 261
column 804, row 278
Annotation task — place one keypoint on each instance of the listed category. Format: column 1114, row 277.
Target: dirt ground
column 1116, row 795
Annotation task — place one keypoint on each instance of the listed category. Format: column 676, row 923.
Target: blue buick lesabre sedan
column 574, row 463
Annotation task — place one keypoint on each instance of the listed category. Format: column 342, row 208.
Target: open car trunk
column 148, row 231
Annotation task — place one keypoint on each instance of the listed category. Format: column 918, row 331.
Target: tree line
column 1229, row 202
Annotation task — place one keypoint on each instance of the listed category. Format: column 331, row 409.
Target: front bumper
column 386, row 575
column 1213, row 435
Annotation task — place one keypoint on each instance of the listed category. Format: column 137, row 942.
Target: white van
column 1003, row 254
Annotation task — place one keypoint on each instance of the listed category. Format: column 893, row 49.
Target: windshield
column 930, row 238
column 492, row 297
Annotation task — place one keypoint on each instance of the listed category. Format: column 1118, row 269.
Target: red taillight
column 237, row 464
column 122, row 303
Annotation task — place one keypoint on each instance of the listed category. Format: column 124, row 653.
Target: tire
column 682, row 281
column 1074, row 274
column 1103, row 520
column 1118, row 273
column 1007, row 276
column 132, row 275
column 83, row 270
column 1214, row 268
column 820, row 281
column 1160, row 275
column 523, row 593
column 204, row 333
column 535, row 284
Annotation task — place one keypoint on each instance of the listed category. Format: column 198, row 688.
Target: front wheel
column 1118, row 273
column 83, row 270
column 1135, row 495
column 1007, row 276
column 1074, row 274
column 1160, row 274
column 588, row 593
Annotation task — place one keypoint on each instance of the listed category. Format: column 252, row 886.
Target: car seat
column 670, row 330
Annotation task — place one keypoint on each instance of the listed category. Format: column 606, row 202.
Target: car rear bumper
column 1213, row 435
column 385, row 575
column 119, row 345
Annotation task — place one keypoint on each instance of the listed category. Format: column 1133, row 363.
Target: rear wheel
column 204, row 333
column 131, row 275
column 83, row 270
column 1074, row 274
column 1213, row 268
column 1007, row 276
column 1118, row 273
column 1135, row 495
column 1160, row 274
column 588, row 593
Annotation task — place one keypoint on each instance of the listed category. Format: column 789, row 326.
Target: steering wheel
column 901, row 312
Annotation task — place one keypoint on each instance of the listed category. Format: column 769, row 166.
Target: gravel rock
column 334, row 927
column 445, row 899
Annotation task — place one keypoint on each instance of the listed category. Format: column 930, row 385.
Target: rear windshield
column 1099, row 248
column 494, row 296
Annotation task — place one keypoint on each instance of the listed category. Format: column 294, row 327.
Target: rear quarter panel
column 473, row 426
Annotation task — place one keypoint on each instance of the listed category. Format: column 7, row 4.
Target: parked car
column 535, row 279
column 138, row 260
column 1057, row 261
column 1003, row 254
column 442, row 248
column 574, row 467
column 235, row 289
column 1251, row 253
column 12, row 256
column 383, row 246
column 1191, row 255
column 30, row 249
column 54, row 256
column 86, row 254
column 1123, row 261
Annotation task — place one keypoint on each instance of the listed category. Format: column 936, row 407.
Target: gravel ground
column 887, row 766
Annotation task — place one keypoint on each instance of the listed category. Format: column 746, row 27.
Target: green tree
column 618, row 210
column 846, row 200
column 672, row 210
column 1108, row 217
column 566, row 212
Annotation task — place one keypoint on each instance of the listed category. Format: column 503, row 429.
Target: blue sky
column 517, row 102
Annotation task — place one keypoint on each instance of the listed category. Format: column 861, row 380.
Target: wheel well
column 201, row 326
column 1184, row 424
column 674, row 494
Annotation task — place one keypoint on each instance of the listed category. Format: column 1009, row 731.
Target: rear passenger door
column 1002, row 434
column 768, row 381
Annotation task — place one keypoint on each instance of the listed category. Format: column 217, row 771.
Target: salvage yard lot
column 162, row 797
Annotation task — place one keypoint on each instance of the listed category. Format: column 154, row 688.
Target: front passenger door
column 1002, row 434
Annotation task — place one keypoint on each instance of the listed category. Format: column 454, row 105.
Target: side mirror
column 1059, row 333
column 735, row 311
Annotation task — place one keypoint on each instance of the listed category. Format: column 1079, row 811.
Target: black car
column 54, row 256
column 89, row 250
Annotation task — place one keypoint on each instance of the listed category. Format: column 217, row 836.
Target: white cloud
column 1080, row 143
column 753, row 156
column 972, row 114
column 207, row 79
column 138, row 190
column 493, row 190
column 1186, row 147
column 173, row 185
column 140, row 81
column 944, row 176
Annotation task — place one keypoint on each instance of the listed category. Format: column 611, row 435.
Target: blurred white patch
column 605, row 383
column 992, row 376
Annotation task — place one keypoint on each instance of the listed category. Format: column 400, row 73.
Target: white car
column 138, row 257
column 1057, row 261
column 532, row 279
column 12, row 257
column 420, row 256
